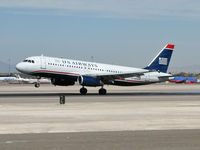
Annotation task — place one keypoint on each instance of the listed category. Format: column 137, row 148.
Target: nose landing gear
column 37, row 84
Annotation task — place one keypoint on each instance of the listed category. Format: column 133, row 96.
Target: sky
column 125, row 32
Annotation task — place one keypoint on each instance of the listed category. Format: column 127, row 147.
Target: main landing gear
column 102, row 91
column 83, row 91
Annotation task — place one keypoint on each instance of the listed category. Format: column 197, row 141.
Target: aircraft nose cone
column 25, row 67
column 19, row 67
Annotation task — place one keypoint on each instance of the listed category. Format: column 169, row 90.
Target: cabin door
column 43, row 62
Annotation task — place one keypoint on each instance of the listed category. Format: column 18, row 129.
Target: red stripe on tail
column 170, row 46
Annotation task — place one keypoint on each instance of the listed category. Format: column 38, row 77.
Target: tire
column 83, row 91
column 102, row 91
column 37, row 85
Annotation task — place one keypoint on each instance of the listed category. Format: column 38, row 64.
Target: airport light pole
column 9, row 66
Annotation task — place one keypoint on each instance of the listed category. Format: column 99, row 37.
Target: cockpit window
column 29, row 61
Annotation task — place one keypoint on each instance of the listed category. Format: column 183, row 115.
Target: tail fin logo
column 163, row 61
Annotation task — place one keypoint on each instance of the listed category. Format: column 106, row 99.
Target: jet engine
column 89, row 81
column 62, row 82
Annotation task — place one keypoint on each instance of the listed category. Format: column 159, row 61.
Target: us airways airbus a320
column 66, row 72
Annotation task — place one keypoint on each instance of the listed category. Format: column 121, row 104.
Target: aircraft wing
column 108, row 77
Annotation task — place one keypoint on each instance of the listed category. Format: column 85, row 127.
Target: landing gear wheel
column 102, row 91
column 37, row 85
column 62, row 99
column 83, row 91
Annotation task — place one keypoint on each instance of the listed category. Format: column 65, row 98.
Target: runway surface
column 162, row 117
column 127, row 140
column 96, row 94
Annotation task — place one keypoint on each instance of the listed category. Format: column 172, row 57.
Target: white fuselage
column 50, row 66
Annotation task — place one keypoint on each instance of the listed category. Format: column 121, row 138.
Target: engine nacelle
column 89, row 81
column 62, row 82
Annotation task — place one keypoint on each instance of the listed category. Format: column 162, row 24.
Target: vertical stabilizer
column 161, row 61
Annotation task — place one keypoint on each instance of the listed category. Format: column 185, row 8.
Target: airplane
column 19, row 79
column 8, row 78
column 36, row 82
column 65, row 72
column 186, row 80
